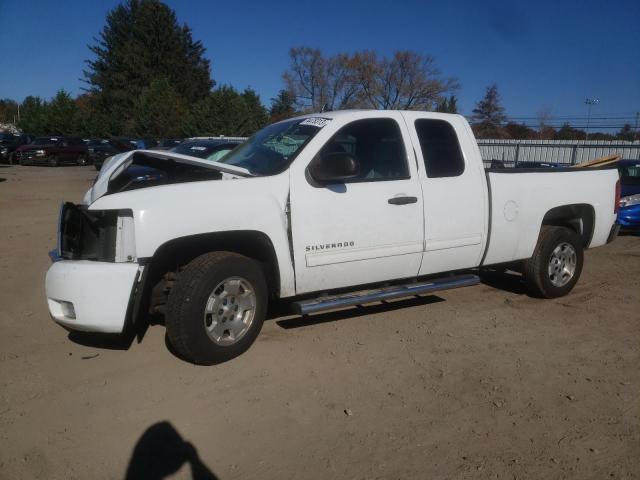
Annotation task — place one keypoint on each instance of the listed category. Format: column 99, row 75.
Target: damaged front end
column 147, row 168
column 104, row 236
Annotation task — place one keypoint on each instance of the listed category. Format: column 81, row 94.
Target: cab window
column 440, row 148
column 376, row 144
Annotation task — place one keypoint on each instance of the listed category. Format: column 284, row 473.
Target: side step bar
column 314, row 305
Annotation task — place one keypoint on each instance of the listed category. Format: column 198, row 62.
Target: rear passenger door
column 454, row 191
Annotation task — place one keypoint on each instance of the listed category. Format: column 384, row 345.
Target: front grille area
column 28, row 155
column 86, row 235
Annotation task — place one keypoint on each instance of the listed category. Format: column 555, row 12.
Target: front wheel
column 52, row 161
column 556, row 264
column 217, row 307
column 82, row 161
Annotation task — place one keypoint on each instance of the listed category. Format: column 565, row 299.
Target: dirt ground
column 481, row 382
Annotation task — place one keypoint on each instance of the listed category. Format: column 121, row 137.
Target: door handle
column 402, row 200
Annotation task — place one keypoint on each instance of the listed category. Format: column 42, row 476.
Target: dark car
column 211, row 149
column 535, row 165
column 166, row 144
column 629, row 211
column 100, row 150
column 9, row 142
column 53, row 151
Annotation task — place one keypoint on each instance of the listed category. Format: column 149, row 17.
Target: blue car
column 629, row 211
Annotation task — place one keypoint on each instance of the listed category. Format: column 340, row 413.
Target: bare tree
column 316, row 81
column 406, row 81
column 545, row 130
column 306, row 79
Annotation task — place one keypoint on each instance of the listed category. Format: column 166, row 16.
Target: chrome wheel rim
column 230, row 311
column 562, row 264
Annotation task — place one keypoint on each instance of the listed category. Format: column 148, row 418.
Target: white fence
column 563, row 152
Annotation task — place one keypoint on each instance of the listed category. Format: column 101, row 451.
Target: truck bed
column 520, row 199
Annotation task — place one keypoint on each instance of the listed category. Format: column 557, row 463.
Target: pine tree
column 489, row 114
column 160, row 112
column 448, row 105
column 282, row 106
column 141, row 43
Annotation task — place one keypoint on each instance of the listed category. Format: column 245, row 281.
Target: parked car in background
column 9, row 142
column 211, row 149
column 629, row 212
column 166, row 144
column 100, row 150
column 535, row 165
column 53, row 151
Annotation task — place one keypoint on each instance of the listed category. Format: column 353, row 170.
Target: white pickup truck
column 320, row 211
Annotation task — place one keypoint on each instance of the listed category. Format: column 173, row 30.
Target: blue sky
column 544, row 54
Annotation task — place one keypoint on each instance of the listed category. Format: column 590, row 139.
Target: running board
column 314, row 305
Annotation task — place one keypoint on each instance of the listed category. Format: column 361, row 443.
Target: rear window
column 440, row 148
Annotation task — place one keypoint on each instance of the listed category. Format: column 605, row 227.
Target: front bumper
column 91, row 296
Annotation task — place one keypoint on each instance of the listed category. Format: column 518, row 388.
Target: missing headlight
column 88, row 235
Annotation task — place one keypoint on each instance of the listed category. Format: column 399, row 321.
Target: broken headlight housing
column 106, row 236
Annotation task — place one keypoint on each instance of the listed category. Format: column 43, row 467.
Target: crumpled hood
column 116, row 166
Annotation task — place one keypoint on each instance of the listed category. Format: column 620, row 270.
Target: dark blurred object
column 161, row 452
column 9, row 142
column 166, row 144
column 535, row 165
column 100, row 150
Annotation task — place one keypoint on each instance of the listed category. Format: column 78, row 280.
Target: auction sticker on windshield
column 316, row 121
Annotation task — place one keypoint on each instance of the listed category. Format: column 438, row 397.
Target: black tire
column 12, row 159
column 22, row 162
column 52, row 161
column 185, row 319
column 82, row 161
column 536, row 269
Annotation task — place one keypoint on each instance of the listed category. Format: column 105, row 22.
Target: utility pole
column 590, row 102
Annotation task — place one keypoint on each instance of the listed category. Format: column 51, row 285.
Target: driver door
column 365, row 229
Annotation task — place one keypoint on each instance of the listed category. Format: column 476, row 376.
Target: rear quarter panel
column 519, row 202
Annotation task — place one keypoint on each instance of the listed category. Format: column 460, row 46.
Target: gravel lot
column 482, row 382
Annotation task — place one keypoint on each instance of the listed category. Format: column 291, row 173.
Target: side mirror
column 334, row 168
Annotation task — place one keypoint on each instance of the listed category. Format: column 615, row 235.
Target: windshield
column 273, row 148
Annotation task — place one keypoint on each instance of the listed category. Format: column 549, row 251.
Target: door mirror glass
column 334, row 168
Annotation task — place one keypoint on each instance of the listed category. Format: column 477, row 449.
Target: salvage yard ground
column 483, row 382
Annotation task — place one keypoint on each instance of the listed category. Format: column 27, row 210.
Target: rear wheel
column 52, row 161
column 216, row 308
column 556, row 264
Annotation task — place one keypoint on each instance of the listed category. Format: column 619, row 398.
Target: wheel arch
column 579, row 217
column 250, row 243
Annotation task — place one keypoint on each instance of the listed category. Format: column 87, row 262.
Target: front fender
column 168, row 212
